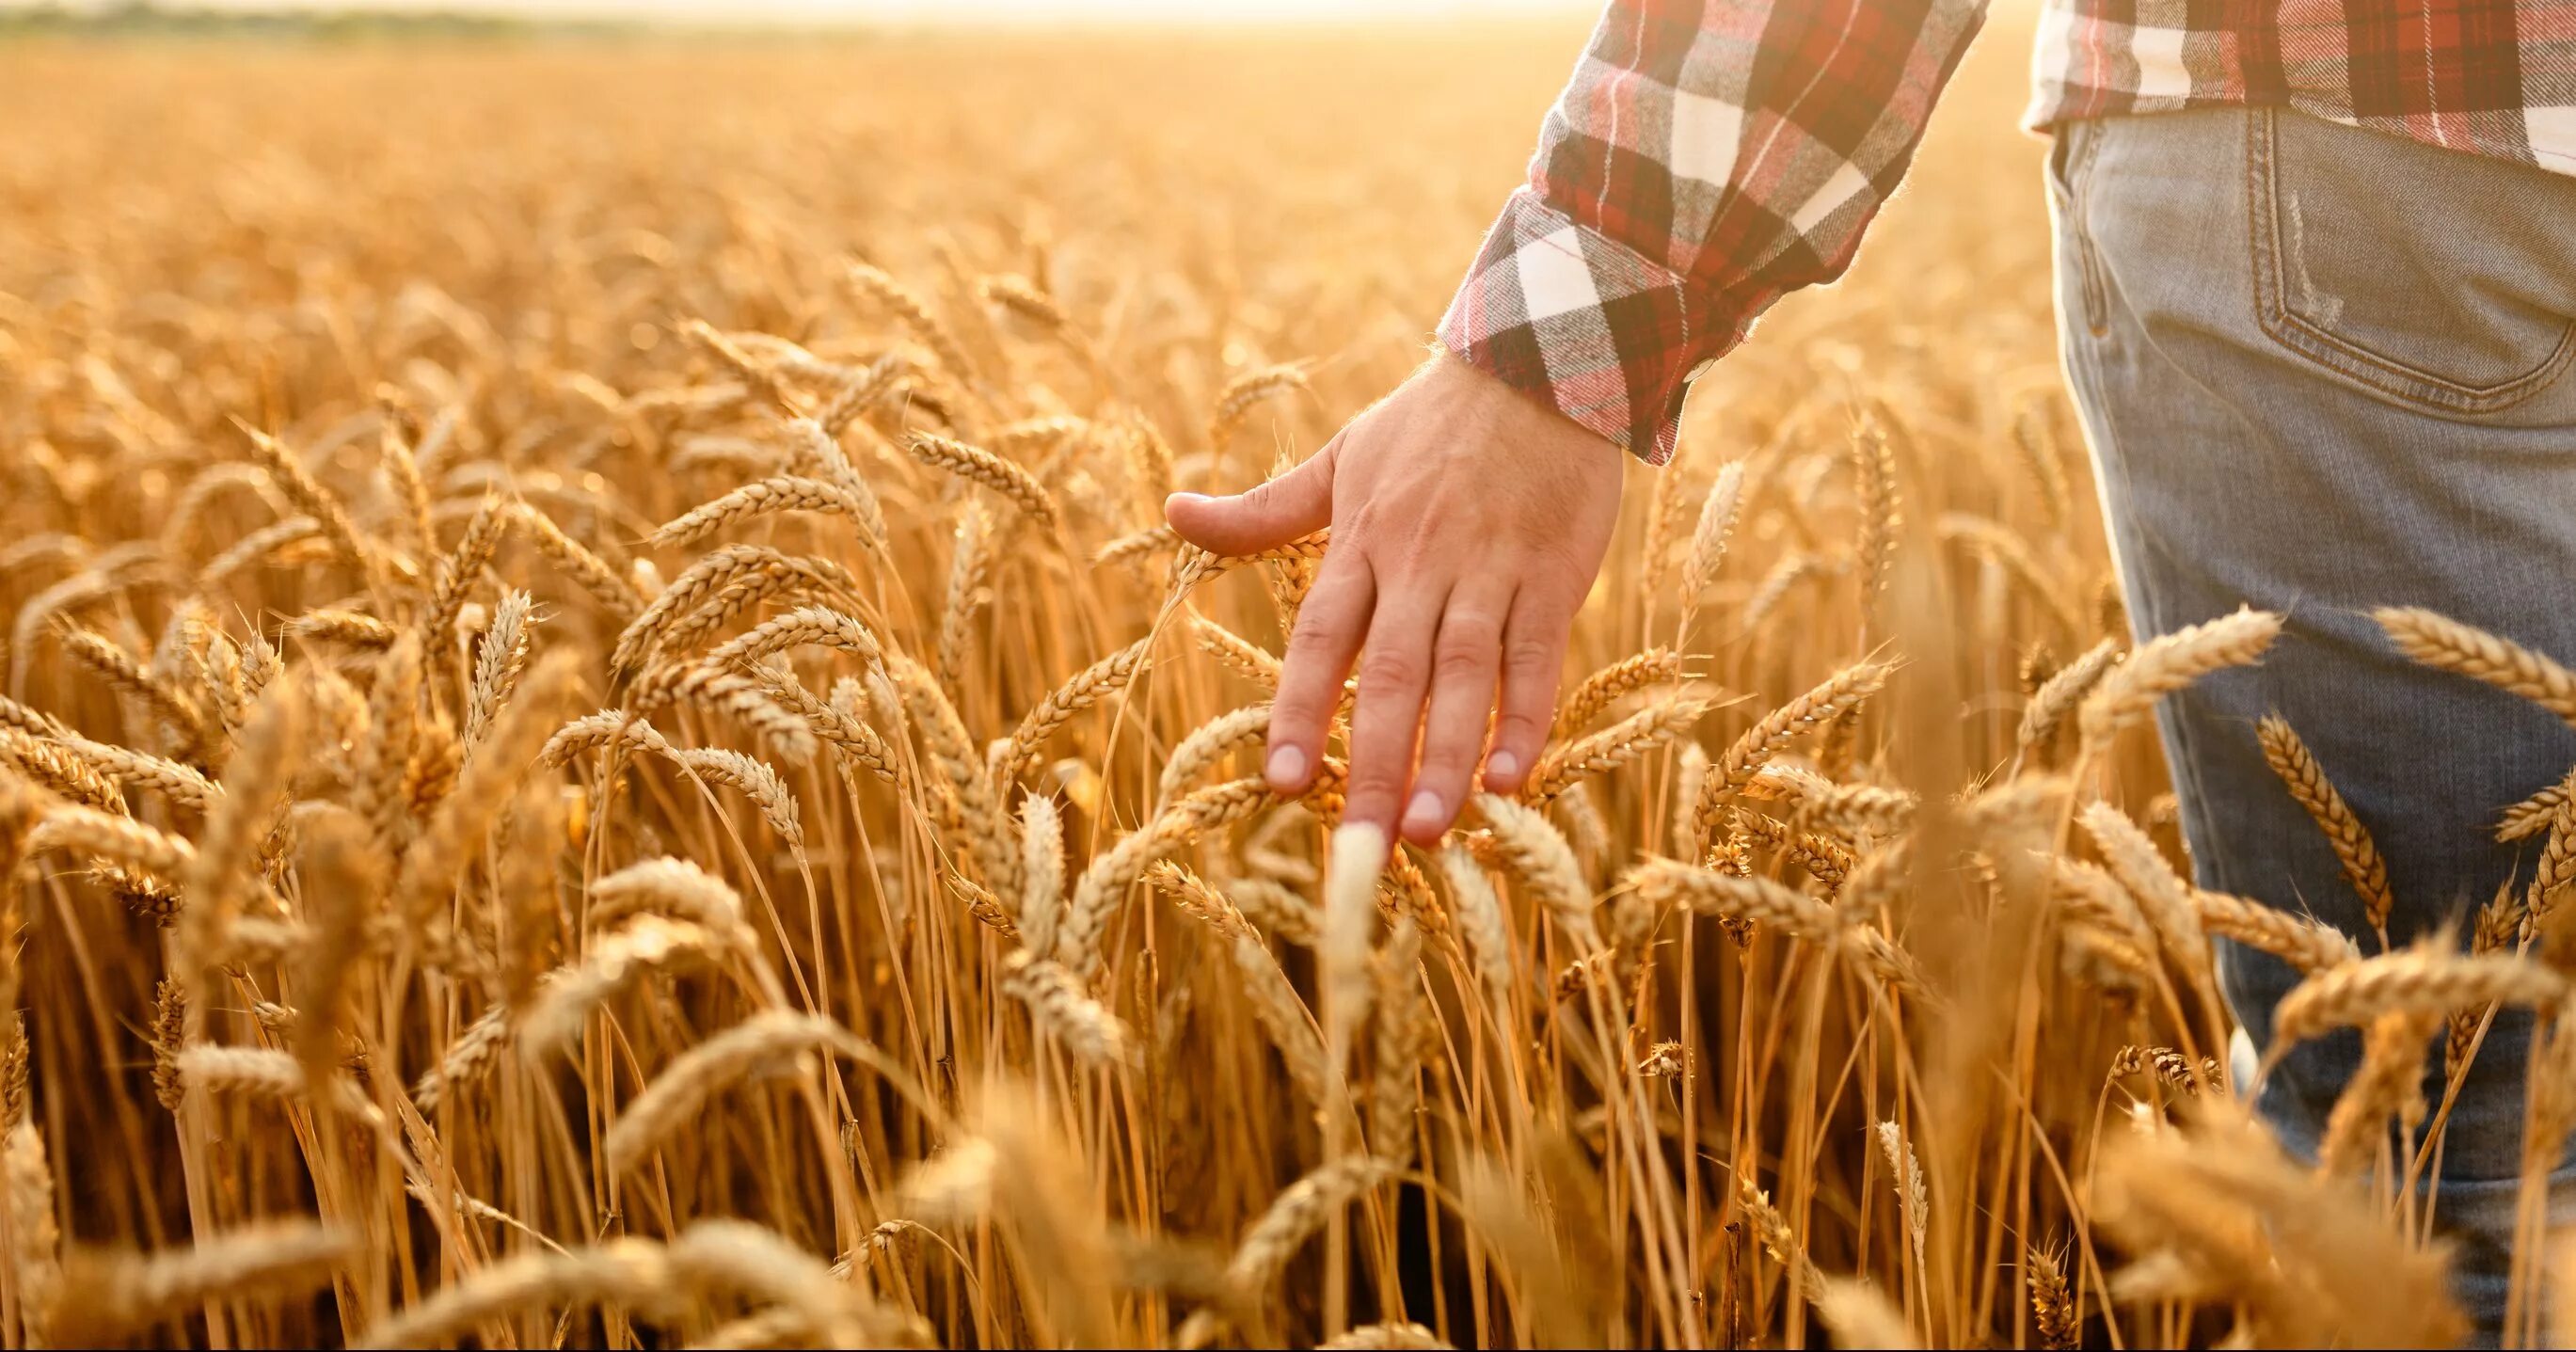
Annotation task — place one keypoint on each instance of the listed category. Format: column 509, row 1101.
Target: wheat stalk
column 1482, row 924
column 1913, row 1197
column 1245, row 392
column 976, row 465
column 1207, row 744
column 2298, row 770
column 108, row 1294
column 1874, row 466
column 2162, row 895
column 1594, row 695
column 754, row 779
column 2061, row 693
column 767, row 497
column 2170, row 662
column 1041, row 898
column 457, row 572
column 1612, row 748
column 288, row 472
column 615, row 961
column 1087, row 687
column 1537, row 854
column 697, row 1076
column 35, row 1235
column 1292, row 1218
column 2415, row 980
column 1717, row 514
column 1103, row 884
column 1735, row 768
column 2390, row 1082
column 2439, row 641
column 878, row 286
column 1058, row 1003
column 2055, row 1315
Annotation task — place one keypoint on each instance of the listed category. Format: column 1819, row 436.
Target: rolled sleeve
column 1706, row 159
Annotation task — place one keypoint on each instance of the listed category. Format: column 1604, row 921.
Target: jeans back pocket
column 2429, row 277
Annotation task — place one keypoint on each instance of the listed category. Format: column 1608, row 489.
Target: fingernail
column 1185, row 497
column 1502, row 765
column 1423, row 814
column 1286, row 769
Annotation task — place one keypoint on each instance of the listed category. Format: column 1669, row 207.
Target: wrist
column 1463, row 379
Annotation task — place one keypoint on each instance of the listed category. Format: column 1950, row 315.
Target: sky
column 912, row 11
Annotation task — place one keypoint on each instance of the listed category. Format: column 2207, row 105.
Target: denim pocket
column 2071, row 157
column 2428, row 277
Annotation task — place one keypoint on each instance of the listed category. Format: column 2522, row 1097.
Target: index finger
column 1330, row 627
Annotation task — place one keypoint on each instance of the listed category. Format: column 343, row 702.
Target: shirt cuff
column 1569, row 315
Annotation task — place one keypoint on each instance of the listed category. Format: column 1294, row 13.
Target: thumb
column 1299, row 502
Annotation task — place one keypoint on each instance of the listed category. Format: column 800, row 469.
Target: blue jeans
column 2324, row 370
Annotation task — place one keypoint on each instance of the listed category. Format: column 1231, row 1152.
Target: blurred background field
column 1352, row 164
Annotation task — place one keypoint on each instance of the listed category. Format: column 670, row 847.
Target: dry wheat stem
column 2055, row 1315
column 1059, row 1005
column 1242, row 394
column 2161, row 894
column 2309, row 945
column 2390, row 1083
column 614, row 961
column 1717, row 514
column 1041, row 897
column 1103, row 884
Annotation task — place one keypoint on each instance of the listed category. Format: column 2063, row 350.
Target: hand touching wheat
column 1468, row 522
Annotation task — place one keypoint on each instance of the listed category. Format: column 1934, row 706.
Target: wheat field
column 603, row 748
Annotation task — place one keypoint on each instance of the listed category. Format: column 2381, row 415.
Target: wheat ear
column 1611, row 748
column 694, row 1078
column 2423, row 979
column 2436, row 640
column 107, row 1294
column 1843, row 690
column 2306, row 780
column 765, row 497
column 977, row 465
column 1089, row 686
column 2168, row 663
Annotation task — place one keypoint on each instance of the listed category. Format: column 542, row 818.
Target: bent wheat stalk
column 694, row 1079
column 2170, row 662
column 2436, row 640
column 2306, row 780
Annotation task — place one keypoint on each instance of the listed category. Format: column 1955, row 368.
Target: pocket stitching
column 2384, row 375
column 2088, row 262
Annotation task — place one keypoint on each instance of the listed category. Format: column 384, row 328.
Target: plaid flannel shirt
column 1710, row 156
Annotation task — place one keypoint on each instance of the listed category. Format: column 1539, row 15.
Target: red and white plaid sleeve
column 1709, row 157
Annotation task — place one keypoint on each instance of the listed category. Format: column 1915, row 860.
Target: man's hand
column 1468, row 520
